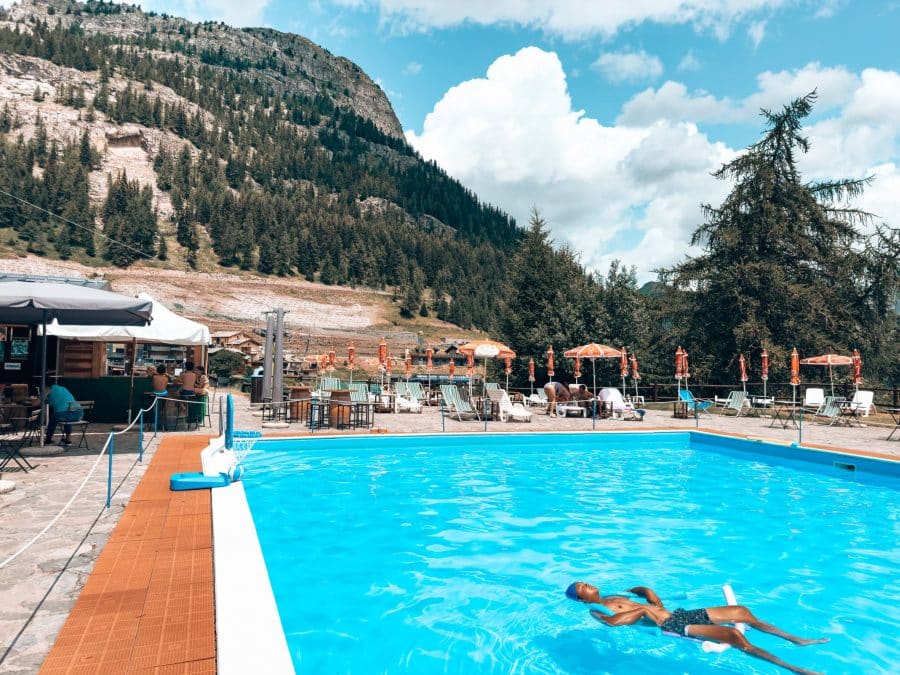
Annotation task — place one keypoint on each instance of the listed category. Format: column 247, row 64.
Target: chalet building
column 247, row 344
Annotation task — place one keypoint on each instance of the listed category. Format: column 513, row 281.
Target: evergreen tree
column 785, row 264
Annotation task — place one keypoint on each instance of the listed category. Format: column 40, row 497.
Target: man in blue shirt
column 65, row 409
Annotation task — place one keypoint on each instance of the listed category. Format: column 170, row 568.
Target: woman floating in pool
column 696, row 623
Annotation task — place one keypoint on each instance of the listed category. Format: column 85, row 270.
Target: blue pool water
column 451, row 554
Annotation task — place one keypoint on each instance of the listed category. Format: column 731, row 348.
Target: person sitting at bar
column 187, row 379
column 160, row 381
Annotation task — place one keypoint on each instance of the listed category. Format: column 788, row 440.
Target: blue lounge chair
column 695, row 405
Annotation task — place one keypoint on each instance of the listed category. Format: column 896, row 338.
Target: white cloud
column 673, row 102
column 571, row 20
column 232, row 12
column 757, row 31
column 689, row 62
column 514, row 138
column 412, row 68
column 633, row 191
column 627, row 66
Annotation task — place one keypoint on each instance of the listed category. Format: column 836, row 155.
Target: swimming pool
column 451, row 553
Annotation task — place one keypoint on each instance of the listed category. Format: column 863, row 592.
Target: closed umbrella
column 829, row 360
column 351, row 359
column 795, row 373
column 470, row 369
column 679, row 365
column 593, row 351
column 507, row 363
column 387, row 369
column 550, row 362
column 764, row 360
column 577, row 372
column 635, row 375
column 857, row 369
column 331, row 359
column 742, row 364
column 407, row 364
column 382, row 359
column 429, row 364
column 451, row 371
column 623, row 367
column 685, row 373
column 531, row 374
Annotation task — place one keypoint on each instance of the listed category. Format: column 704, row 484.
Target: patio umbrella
column 37, row 303
column 470, row 369
column 635, row 375
column 857, row 369
column 452, row 369
column 764, row 360
column 531, row 374
column 351, row 359
column 331, row 359
column 550, row 362
column 507, row 368
column 429, row 364
column 407, row 364
column 742, row 364
column 577, row 372
column 829, row 360
column 686, row 373
column 486, row 349
column 679, row 365
column 623, row 367
column 387, row 369
column 795, row 374
column 593, row 351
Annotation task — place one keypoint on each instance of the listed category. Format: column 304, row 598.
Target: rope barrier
column 108, row 444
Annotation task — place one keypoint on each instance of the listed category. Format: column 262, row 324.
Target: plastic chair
column 85, row 407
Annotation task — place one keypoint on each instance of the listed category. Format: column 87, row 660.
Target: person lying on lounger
column 696, row 623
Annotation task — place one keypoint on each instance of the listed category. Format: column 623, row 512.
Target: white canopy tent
column 167, row 328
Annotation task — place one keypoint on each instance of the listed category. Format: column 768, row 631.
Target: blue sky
column 608, row 115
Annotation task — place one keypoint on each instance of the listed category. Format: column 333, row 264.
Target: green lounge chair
column 454, row 403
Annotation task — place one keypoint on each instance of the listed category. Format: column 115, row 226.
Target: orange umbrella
column 429, row 365
column 685, row 372
column 470, row 368
column 531, row 373
column 577, row 372
column 486, row 349
column 351, row 359
column 857, row 368
column 829, row 360
column 550, row 362
column 764, row 360
column 742, row 364
column 795, row 372
column 507, row 363
column 623, row 367
column 635, row 375
column 679, row 365
column 407, row 362
column 382, row 353
column 593, row 351
column 331, row 358
column 452, row 369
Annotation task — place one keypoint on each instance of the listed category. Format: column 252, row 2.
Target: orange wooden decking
column 148, row 605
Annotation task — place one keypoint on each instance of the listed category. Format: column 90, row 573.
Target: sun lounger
column 737, row 402
column 454, row 403
column 506, row 409
column 695, row 405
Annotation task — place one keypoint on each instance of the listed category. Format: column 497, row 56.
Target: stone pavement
column 38, row 589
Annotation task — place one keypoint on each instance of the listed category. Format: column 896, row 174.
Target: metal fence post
column 594, row 413
column 312, row 416
column 109, row 473
column 696, row 415
column 800, row 426
column 485, row 413
column 443, row 428
column 141, row 435
column 155, row 416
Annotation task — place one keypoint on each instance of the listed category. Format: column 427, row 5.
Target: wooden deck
column 148, row 605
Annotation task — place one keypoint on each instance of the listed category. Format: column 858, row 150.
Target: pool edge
column 248, row 625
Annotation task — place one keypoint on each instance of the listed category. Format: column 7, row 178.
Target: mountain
column 129, row 137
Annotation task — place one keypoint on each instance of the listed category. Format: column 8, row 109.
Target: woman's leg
column 740, row 614
column 735, row 638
